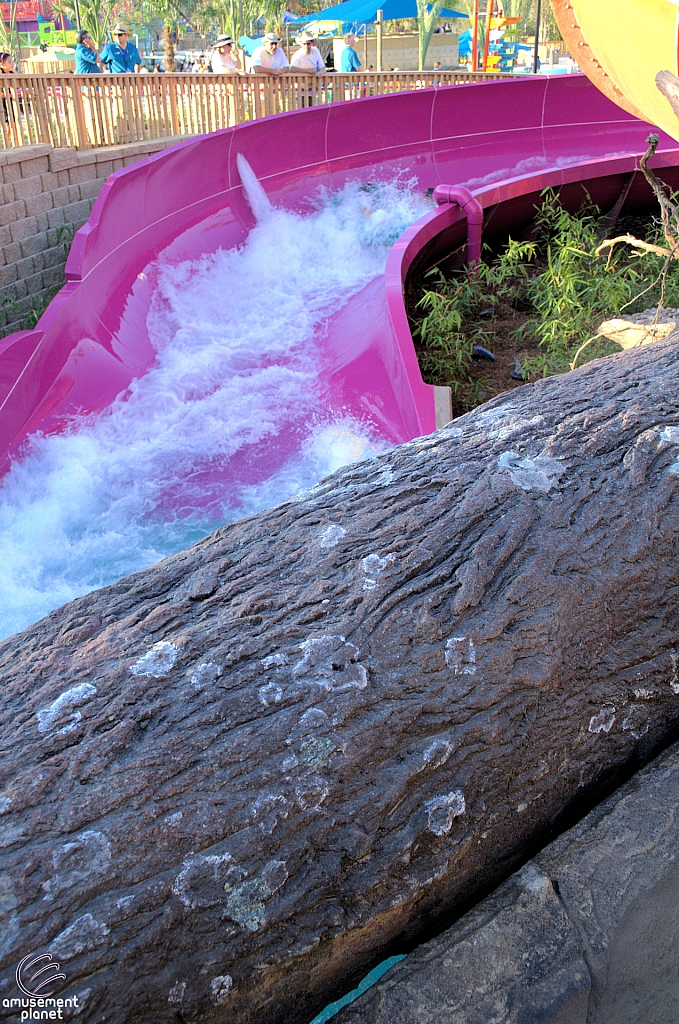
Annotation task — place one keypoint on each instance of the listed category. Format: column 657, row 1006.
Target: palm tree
column 95, row 17
column 427, row 19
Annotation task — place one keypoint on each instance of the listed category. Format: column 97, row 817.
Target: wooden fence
column 106, row 110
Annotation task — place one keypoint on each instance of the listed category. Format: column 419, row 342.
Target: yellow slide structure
column 621, row 47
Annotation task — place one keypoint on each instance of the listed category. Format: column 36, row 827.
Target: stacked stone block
column 46, row 195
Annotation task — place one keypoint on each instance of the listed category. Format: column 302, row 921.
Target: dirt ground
column 494, row 377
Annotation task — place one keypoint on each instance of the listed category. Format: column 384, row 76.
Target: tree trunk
column 168, row 47
column 234, row 782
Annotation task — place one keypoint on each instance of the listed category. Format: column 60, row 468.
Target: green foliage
column 577, row 289
column 451, row 326
column 30, row 310
column 427, row 20
column 563, row 288
column 65, row 235
column 95, row 16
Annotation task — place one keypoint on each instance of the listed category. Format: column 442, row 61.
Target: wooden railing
column 105, row 110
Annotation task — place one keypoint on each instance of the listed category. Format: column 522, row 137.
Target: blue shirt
column 119, row 60
column 85, row 61
column 350, row 61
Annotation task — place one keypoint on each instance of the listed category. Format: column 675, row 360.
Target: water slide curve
column 504, row 141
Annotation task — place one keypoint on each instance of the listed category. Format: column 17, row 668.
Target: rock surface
column 231, row 784
column 586, row 933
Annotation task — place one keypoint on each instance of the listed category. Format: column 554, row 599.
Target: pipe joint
column 473, row 211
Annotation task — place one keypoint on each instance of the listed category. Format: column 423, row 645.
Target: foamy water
column 228, row 422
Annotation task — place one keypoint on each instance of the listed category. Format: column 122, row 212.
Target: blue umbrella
column 364, row 12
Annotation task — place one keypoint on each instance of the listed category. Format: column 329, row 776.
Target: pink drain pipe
column 474, row 213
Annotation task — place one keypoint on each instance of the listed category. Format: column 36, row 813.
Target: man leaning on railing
column 308, row 58
column 121, row 56
column 269, row 58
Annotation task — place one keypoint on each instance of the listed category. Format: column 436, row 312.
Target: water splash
column 231, row 419
column 254, row 192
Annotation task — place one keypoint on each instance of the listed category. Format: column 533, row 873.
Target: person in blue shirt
column 86, row 60
column 121, row 56
column 350, row 61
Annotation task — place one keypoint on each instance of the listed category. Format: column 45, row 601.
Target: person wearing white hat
column 120, row 56
column 308, row 58
column 269, row 58
column 223, row 59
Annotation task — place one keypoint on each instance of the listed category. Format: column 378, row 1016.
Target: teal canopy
column 364, row 12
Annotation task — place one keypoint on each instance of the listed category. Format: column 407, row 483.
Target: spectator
column 120, row 56
column 86, row 60
column 269, row 58
column 308, row 58
column 8, row 101
column 223, row 60
column 350, row 61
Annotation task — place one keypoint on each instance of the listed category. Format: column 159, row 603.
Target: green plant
column 65, row 236
column 447, row 349
column 13, row 309
column 451, row 325
column 450, row 328
column 95, row 17
column 427, row 19
column 580, row 287
column 556, row 291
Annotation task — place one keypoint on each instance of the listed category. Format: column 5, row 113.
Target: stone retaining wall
column 47, row 194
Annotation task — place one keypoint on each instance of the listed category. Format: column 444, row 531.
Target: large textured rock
column 586, row 933
column 234, row 782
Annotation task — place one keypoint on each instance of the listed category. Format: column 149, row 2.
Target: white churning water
column 197, row 441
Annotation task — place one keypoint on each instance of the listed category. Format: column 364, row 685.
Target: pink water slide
column 486, row 149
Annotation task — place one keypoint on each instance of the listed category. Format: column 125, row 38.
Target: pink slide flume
column 201, row 364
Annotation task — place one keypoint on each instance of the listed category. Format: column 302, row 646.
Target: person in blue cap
column 86, row 60
column 121, row 56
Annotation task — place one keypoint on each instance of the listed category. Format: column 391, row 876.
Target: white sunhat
column 223, row 40
column 271, row 37
column 305, row 37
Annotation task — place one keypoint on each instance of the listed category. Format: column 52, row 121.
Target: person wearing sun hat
column 269, row 58
column 120, row 56
column 308, row 58
column 223, row 59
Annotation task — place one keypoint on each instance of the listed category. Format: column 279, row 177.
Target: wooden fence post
column 172, row 91
column 81, row 140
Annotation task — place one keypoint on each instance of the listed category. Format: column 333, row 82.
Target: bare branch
column 646, row 246
column 668, row 211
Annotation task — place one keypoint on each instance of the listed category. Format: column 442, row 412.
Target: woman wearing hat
column 269, row 58
column 224, row 60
